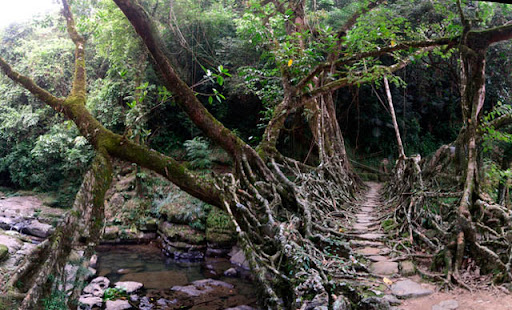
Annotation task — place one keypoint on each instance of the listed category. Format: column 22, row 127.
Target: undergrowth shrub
column 198, row 153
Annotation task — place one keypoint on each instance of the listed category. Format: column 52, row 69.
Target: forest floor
column 369, row 239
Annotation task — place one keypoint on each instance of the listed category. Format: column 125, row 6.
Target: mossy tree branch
column 79, row 78
column 182, row 93
column 73, row 107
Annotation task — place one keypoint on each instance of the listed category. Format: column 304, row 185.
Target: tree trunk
column 401, row 153
column 85, row 220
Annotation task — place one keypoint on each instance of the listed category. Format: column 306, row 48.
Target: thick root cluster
column 291, row 230
column 425, row 198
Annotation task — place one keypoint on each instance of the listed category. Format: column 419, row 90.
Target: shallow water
column 140, row 262
column 148, row 265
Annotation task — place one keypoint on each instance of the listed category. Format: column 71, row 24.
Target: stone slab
column 365, row 243
column 364, row 216
column 384, row 268
column 371, row 236
column 409, row 289
column 118, row 305
column 407, row 268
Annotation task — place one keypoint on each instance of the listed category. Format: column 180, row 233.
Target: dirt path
column 396, row 278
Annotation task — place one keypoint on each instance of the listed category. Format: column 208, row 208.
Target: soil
column 478, row 300
column 26, row 206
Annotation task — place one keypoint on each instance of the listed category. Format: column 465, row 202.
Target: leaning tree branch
column 346, row 81
column 182, row 93
column 500, row 122
column 79, row 78
column 31, row 86
column 116, row 145
column 450, row 42
column 481, row 39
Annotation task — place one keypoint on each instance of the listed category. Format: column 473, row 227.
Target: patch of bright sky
column 23, row 10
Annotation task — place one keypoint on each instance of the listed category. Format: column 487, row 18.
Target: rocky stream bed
column 142, row 277
column 160, row 263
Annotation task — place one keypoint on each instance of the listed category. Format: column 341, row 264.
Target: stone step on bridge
column 369, row 240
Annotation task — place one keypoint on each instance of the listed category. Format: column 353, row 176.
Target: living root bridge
column 425, row 209
column 293, row 242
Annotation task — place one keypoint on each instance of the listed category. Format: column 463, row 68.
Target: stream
column 148, row 265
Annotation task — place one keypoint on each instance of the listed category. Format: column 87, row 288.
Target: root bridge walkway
column 392, row 277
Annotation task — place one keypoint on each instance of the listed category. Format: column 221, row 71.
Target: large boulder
column 183, row 251
column 182, row 241
column 111, row 233
column 183, row 233
column 220, row 230
column 12, row 243
column 238, row 258
column 118, row 305
column 38, row 229
column 181, row 208
column 8, row 222
column 125, row 184
column 129, row 286
column 374, row 303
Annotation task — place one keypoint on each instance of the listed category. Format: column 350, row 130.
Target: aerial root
column 427, row 217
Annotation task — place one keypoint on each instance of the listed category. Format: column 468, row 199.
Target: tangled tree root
column 290, row 222
column 291, row 231
column 425, row 207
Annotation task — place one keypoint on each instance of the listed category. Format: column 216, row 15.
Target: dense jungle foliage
column 219, row 50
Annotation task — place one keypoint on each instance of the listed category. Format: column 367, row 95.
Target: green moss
column 219, row 220
column 181, row 208
column 220, row 229
column 4, row 252
column 220, row 238
column 182, row 233
column 389, row 224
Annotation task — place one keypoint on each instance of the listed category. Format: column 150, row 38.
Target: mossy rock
column 130, row 233
column 184, row 211
column 184, row 233
column 221, row 238
column 126, row 183
column 111, row 233
column 4, row 252
column 50, row 201
column 219, row 220
column 149, row 224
